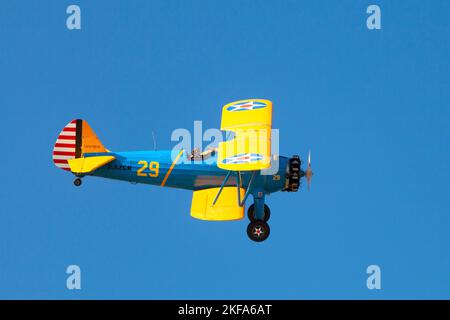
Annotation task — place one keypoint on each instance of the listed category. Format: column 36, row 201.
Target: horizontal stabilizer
column 226, row 207
column 89, row 164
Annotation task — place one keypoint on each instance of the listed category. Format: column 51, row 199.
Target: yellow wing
column 226, row 207
column 251, row 122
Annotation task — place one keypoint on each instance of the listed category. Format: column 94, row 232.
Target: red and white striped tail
column 66, row 145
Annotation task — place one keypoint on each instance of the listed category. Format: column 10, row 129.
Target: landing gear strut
column 258, row 213
column 77, row 182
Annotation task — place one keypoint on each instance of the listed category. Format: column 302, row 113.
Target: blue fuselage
column 160, row 168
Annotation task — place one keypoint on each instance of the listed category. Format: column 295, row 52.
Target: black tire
column 258, row 230
column 251, row 213
column 77, row 182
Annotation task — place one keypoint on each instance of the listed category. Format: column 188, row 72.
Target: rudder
column 75, row 139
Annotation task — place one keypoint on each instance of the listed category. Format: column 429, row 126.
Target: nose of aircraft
column 294, row 173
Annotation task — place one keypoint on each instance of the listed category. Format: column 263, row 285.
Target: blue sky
column 373, row 106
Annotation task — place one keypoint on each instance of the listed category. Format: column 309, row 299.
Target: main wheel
column 258, row 230
column 77, row 182
column 251, row 213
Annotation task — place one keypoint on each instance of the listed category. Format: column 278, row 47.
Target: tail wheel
column 77, row 182
column 251, row 213
column 258, row 230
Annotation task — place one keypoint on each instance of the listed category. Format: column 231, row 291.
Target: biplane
column 221, row 178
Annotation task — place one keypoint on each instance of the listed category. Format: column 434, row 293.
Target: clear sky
column 372, row 105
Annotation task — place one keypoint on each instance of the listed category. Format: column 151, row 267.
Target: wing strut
column 238, row 186
column 221, row 187
column 247, row 192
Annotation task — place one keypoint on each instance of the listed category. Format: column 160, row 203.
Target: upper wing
column 251, row 121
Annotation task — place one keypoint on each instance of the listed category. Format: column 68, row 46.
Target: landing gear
column 251, row 213
column 258, row 230
column 77, row 182
column 258, row 213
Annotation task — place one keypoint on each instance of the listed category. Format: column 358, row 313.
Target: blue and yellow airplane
column 221, row 178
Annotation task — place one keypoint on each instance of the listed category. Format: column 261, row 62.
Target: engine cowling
column 294, row 174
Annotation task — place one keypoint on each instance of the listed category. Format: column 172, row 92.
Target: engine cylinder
column 294, row 174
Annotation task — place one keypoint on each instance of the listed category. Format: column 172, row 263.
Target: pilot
column 195, row 154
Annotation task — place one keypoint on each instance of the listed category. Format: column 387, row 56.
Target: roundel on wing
column 246, row 105
column 243, row 158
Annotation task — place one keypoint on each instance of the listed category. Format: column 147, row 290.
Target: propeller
column 309, row 173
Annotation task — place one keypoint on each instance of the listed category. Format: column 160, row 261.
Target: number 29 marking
column 152, row 166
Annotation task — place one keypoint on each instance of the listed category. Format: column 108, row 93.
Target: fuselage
column 173, row 169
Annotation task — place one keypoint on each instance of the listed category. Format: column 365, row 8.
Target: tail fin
column 76, row 139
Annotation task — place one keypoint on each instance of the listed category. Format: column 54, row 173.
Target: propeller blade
column 309, row 173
